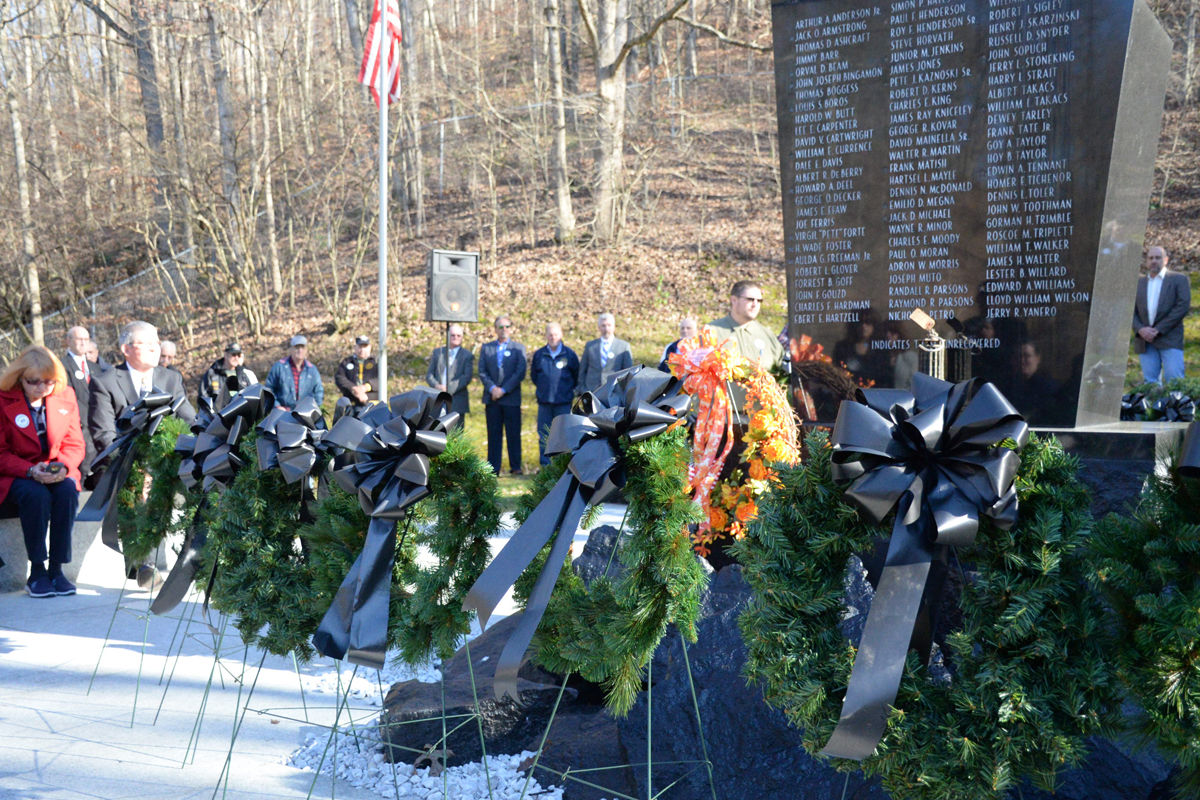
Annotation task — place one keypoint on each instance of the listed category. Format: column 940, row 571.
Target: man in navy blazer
column 501, row 370
column 1163, row 300
column 602, row 357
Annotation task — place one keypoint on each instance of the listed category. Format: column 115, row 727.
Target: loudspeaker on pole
column 452, row 286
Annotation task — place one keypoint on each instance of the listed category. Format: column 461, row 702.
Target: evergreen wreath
column 1028, row 678
column 1148, row 569
column 608, row 631
column 263, row 578
column 143, row 524
column 279, row 577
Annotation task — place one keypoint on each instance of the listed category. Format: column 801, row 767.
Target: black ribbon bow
column 1133, row 406
column 389, row 451
column 212, row 463
column 143, row 416
column 293, row 441
column 635, row 403
column 935, row 456
column 1174, row 407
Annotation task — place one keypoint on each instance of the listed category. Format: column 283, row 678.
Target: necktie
column 605, row 354
column 87, row 373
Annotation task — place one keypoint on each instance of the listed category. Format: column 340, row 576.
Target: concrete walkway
column 153, row 738
column 156, row 720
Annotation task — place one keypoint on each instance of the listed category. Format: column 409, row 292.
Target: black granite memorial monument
column 987, row 161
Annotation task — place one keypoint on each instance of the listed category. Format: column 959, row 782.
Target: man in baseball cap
column 224, row 378
column 357, row 378
column 293, row 377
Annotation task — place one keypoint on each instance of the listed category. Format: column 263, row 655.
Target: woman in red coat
column 41, row 448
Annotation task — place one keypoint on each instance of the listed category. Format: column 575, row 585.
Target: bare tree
column 607, row 25
column 564, row 219
column 140, row 39
column 28, row 248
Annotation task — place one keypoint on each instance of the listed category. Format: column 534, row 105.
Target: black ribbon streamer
column 143, row 416
column 1189, row 457
column 1133, row 406
column 636, row 403
column 389, row 451
column 934, row 455
column 1174, row 407
column 212, row 463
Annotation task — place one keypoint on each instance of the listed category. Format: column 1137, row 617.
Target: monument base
column 1116, row 458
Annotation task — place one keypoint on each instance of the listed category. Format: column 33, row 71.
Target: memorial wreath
column 1018, row 678
column 152, row 504
column 1148, row 569
column 627, row 437
column 280, row 576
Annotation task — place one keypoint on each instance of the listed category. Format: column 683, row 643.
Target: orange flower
column 717, row 519
column 758, row 470
column 776, row 450
column 747, row 511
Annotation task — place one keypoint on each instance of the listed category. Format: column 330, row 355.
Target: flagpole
column 382, row 37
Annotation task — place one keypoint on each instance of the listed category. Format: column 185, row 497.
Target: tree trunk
column 608, row 29
column 29, row 251
column 147, row 78
column 414, row 187
column 267, row 172
column 352, row 27
column 611, row 34
column 564, row 227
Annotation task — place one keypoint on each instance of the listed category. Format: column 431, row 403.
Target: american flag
column 369, row 73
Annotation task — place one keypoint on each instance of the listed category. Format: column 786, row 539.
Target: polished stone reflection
column 987, row 165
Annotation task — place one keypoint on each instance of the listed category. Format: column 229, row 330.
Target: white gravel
column 364, row 766
column 361, row 764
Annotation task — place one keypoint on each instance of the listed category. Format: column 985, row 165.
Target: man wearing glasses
column 752, row 338
column 501, row 370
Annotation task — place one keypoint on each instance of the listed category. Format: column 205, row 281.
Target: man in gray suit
column 1163, row 300
column 462, row 367
column 602, row 357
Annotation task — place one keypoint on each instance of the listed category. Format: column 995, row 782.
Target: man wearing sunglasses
column 501, row 370
column 752, row 338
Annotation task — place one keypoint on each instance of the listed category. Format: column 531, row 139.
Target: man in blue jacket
column 294, row 377
column 501, row 370
column 554, row 371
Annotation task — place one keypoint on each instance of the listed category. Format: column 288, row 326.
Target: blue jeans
column 1168, row 361
column 546, row 414
column 40, row 506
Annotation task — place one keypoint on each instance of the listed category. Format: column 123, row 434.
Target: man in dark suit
column 122, row 385
column 602, row 357
column 114, row 389
column 1163, row 300
column 462, row 367
column 79, row 376
column 501, row 370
